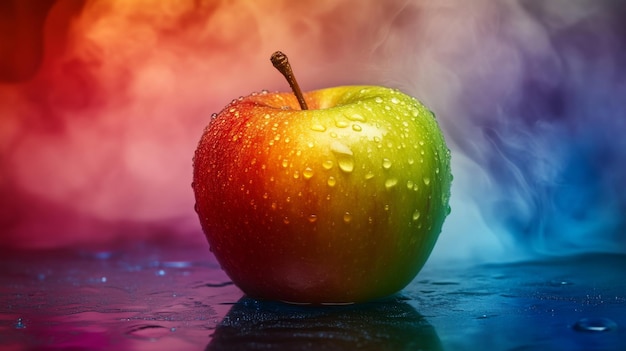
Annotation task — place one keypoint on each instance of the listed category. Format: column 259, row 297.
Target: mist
column 102, row 104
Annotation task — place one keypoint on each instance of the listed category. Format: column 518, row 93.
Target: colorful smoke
column 102, row 104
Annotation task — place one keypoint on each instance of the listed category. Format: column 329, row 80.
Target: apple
column 332, row 196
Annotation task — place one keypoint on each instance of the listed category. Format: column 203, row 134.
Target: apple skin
column 339, row 203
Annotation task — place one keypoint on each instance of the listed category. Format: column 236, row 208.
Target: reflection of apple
column 342, row 202
column 381, row 325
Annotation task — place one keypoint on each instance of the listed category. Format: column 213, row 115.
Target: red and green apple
column 335, row 196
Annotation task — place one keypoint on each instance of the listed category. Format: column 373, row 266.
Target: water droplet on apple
column 331, row 181
column 347, row 217
column 357, row 128
column 341, row 124
column 386, row 163
column 378, row 100
column 395, row 100
column 391, row 182
column 285, row 163
column 426, row 180
column 411, row 161
column 344, row 156
column 265, row 195
column 409, row 184
column 312, row 218
column 308, row 173
column 296, row 175
column 386, row 207
column 356, row 117
column 416, row 215
column 286, row 220
column 346, row 164
column 328, row 164
column 274, row 206
column 369, row 175
column 318, row 128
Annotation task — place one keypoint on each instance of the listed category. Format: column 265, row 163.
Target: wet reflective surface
column 163, row 298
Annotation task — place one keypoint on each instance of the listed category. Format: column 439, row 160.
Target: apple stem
column 280, row 61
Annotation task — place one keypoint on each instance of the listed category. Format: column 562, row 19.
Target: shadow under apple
column 390, row 324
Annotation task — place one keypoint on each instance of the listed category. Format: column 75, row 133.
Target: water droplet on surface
column 426, row 180
column 357, row 128
column 296, row 175
column 328, row 164
column 378, row 100
column 285, row 163
column 594, row 325
column 344, row 156
column 395, row 100
column 150, row 332
column 286, row 220
column 369, row 175
column 19, row 324
column 308, row 173
column 347, row 217
column 386, row 163
column 409, row 184
column 391, row 182
column 318, row 128
column 331, row 181
column 312, row 218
